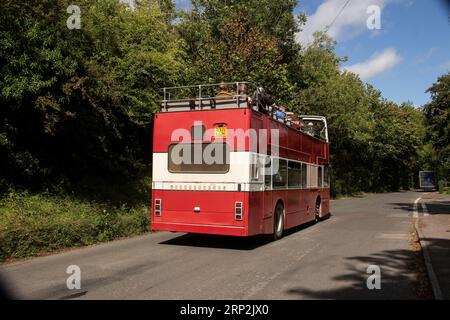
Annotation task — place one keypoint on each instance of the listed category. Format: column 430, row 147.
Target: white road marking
column 392, row 236
column 398, row 215
column 261, row 285
column 416, row 213
column 424, row 209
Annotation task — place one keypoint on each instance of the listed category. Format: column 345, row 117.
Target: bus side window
column 268, row 173
column 280, row 176
column 313, row 180
column 254, row 167
column 326, row 176
column 304, row 175
column 320, row 176
column 294, row 174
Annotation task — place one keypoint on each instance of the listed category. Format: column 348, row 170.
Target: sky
column 402, row 56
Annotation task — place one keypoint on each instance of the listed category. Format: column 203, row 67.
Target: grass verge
column 33, row 224
column 422, row 284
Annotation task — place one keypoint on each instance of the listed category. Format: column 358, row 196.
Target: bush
column 443, row 186
column 34, row 224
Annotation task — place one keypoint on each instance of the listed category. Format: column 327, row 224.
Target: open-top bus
column 222, row 165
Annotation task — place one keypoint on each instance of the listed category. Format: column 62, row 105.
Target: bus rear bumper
column 240, row 231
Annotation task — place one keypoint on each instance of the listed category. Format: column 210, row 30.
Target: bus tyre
column 278, row 223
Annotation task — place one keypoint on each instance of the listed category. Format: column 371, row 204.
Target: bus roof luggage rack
column 205, row 97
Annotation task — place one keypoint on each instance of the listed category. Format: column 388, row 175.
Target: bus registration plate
column 220, row 132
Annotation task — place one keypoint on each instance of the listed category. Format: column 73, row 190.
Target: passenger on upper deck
column 281, row 112
column 291, row 117
column 223, row 91
column 300, row 123
column 266, row 104
column 243, row 94
column 296, row 122
column 311, row 129
column 242, row 89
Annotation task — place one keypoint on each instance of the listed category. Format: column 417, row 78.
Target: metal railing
column 203, row 96
column 196, row 95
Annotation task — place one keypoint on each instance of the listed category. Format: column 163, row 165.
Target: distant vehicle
column 427, row 180
column 268, row 174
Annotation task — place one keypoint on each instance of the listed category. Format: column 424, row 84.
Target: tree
column 437, row 120
column 398, row 140
column 375, row 144
column 79, row 102
column 241, row 41
column 342, row 99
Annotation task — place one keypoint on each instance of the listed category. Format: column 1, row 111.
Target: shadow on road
column 439, row 207
column 229, row 242
column 439, row 249
column 409, row 207
column 217, row 241
column 6, row 292
column 401, row 271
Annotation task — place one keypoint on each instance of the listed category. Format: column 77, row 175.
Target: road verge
column 437, row 292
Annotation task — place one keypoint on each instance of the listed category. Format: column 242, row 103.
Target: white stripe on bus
column 239, row 173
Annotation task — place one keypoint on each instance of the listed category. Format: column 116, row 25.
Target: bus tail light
column 238, row 211
column 158, row 207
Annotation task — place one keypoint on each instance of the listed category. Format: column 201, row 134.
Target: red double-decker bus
column 224, row 163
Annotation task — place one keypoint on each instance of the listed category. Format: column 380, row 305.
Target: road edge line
column 430, row 271
column 416, row 208
column 424, row 209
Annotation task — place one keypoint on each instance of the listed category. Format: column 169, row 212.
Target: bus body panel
column 205, row 203
column 215, row 212
column 165, row 124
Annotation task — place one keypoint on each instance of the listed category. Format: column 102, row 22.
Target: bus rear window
column 199, row 158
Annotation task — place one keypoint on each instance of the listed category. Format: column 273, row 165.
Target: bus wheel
column 278, row 223
column 317, row 210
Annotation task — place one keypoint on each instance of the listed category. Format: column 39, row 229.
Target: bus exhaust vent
column 158, row 207
column 238, row 211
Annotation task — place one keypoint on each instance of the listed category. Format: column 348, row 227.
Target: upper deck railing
column 208, row 96
column 232, row 95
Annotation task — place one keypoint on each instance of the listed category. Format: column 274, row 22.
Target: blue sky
column 403, row 58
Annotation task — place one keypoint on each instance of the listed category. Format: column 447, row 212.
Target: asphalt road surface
column 328, row 260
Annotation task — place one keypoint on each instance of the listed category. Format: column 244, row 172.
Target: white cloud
column 376, row 64
column 351, row 21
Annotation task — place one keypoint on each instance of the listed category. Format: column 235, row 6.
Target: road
column 328, row 260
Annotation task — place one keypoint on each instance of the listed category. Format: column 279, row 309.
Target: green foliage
column 241, row 40
column 79, row 102
column 76, row 107
column 437, row 118
column 34, row 224
column 375, row 144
